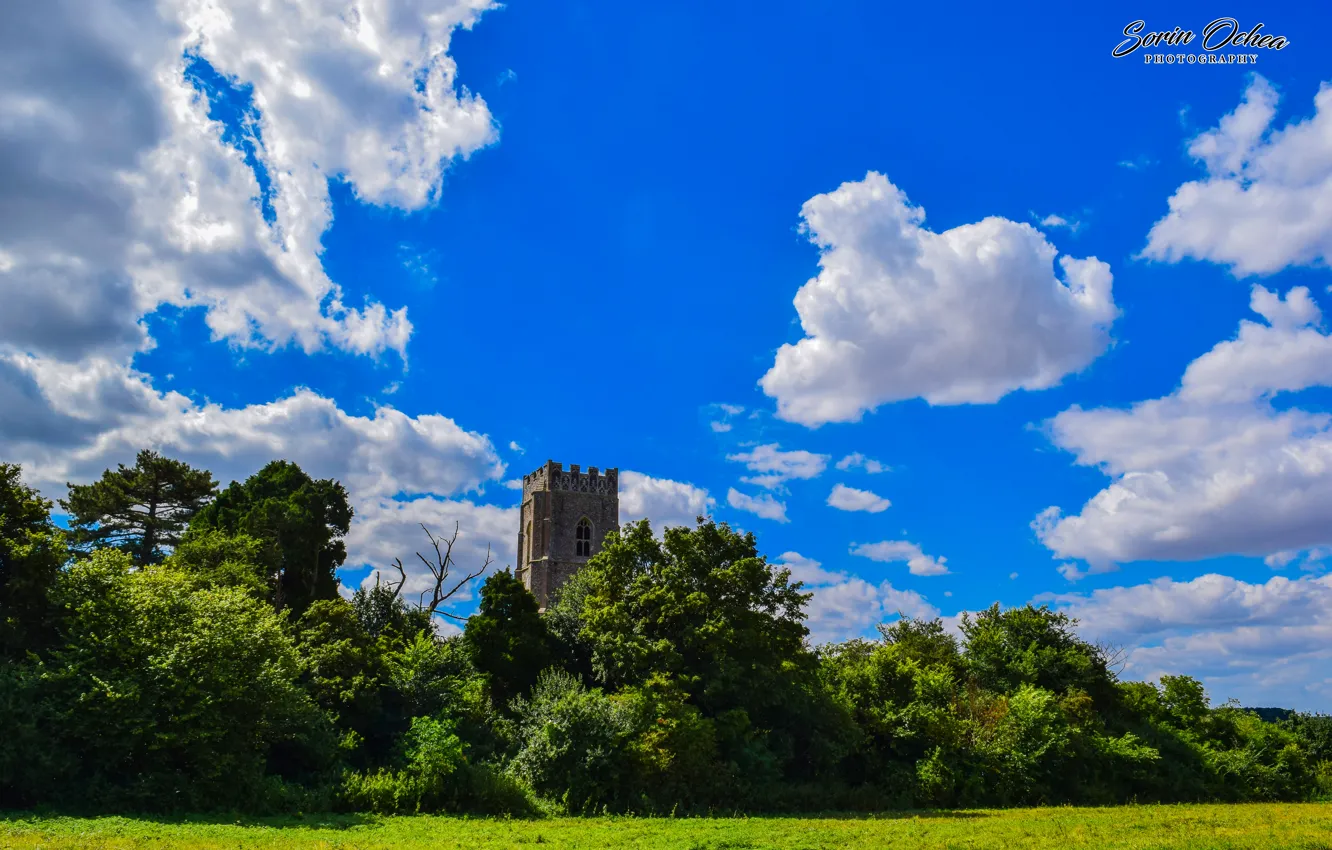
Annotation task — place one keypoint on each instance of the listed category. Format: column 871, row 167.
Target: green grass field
column 1194, row 827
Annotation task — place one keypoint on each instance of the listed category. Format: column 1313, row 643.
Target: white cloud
column 514, row 447
column 850, row 499
column 724, row 413
column 893, row 551
column 121, row 194
column 1072, row 572
column 845, row 606
column 807, row 570
column 778, row 467
column 665, row 503
column 1214, row 468
column 764, row 506
column 898, row 311
column 1266, row 200
column 856, row 460
column 1071, row 225
column 386, row 529
column 1265, row 644
column 1012, row 576
column 1278, row 560
column 68, row 424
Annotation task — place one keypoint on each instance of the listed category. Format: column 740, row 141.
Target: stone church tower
column 564, row 518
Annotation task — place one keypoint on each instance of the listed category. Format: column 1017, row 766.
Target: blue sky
column 425, row 254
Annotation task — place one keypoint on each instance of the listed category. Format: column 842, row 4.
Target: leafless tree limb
column 1114, row 655
column 402, row 577
column 441, row 568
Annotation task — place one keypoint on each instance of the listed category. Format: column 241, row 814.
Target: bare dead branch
column 1114, row 655
column 402, row 577
column 441, row 568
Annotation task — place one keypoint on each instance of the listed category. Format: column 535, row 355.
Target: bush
column 165, row 695
column 573, row 744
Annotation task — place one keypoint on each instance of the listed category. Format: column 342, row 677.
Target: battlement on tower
column 553, row 476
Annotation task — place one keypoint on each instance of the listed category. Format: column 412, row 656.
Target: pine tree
column 139, row 509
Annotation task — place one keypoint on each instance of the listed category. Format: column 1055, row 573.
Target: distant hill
column 1271, row 715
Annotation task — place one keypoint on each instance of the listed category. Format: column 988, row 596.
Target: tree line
column 180, row 647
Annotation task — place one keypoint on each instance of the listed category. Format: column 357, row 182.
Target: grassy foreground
column 1266, row 826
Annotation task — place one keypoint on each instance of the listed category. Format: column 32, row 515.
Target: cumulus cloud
column 856, row 460
column 850, row 499
column 1263, row 643
column 122, row 194
column 776, row 466
column 903, row 551
column 1216, row 467
column 68, row 424
column 665, row 503
column 1266, row 200
column 898, row 311
column 844, row 606
column 764, row 506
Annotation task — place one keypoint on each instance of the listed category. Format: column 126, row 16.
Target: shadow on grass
column 349, row 820
column 320, row 820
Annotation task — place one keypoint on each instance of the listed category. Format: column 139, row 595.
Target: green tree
column 574, row 744
column 1034, row 646
column 703, row 608
column 924, row 640
column 301, row 518
column 225, row 560
column 31, row 552
column 343, row 668
column 168, row 693
column 507, row 638
column 140, row 509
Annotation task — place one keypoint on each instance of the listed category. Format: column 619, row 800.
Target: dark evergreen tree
column 141, row 509
column 31, row 552
column 302, row 519
column 507, row 639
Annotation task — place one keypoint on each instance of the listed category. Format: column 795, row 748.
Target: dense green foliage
column 32, row 550
column 141, row 509
column 221, row 669
column 506, row 639
column 302, row 520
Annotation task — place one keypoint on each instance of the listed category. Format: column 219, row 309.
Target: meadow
column 1274, row 826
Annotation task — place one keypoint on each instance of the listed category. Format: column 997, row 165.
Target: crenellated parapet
column 553, row 476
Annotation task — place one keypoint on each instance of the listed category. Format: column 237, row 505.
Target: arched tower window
column 583, row 538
